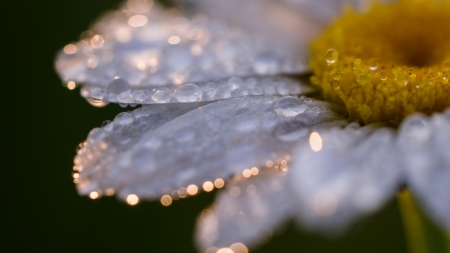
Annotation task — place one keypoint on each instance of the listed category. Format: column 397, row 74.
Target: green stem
column 421, row 234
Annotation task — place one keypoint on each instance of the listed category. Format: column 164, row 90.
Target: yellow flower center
column 387, row 63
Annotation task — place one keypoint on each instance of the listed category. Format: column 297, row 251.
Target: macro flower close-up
column 318, row 112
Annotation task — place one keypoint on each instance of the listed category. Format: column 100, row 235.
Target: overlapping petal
column 425, row 155
column 248, row 211
column 343, row 174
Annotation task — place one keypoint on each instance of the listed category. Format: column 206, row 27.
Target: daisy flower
column 294, row 120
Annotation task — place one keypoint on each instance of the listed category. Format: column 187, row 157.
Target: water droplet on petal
column 118, row 86
column 97, row 102
column 188, row 93
column 289, row 106
column 161, row 96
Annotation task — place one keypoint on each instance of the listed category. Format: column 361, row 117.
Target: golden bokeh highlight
column 71, row 85
column 132, row 199
column 70, row 49
column 247, row 173
column 208, row 186
column 219, row 183
column 387, row 63
column 239, row 248
column 192, row 189
column 166, row 200
column 93, row 195
column 315, row 141
column 255, row 171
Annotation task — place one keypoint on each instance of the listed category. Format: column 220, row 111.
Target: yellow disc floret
column 387, row 63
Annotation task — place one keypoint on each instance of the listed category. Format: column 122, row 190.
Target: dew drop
column 124, row 118
column 291, row 131
column 125, row 97
column 161, row 96
column 373, row 65
column 118, row 86
column 331, row 57
column 97, row 41
column 97, row 102
column 289, row 106
column 383, row 75
column 337, row 76
column 188, row 93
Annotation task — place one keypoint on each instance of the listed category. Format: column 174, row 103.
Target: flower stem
column 421, row 235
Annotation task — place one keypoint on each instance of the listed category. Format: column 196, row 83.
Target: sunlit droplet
column 315, row 141
column 132, row 199
column 239, row 248
column 97, row 102
column 332, row 56
column 254, row 171
column 208, row 186
column 93, row 195
column 247, row 173
column 192, row 189
column 383, row 75
column 71, row 85
column 137, row 20
column 97, row 41
column 70, row 49
column 166, row 200
column 225, row 250
column 219, row 183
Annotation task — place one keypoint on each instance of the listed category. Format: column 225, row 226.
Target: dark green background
column 42, row 122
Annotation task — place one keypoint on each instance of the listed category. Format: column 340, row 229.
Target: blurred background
column 42, row 123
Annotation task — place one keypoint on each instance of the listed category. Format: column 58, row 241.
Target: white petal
column 97, row 154
column 247, row 212
column 425, row 146
column 343, row 174
column 160, row 50
column 214, row 141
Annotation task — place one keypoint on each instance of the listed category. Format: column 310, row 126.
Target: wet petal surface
column 154, row 53
column 212, row 142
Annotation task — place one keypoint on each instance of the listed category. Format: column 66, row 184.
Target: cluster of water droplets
column 119, row 90
column 163, row 56
column 158, row 149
